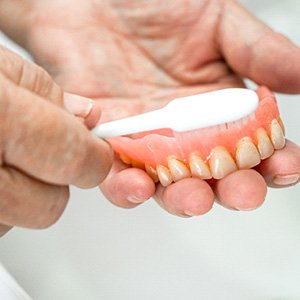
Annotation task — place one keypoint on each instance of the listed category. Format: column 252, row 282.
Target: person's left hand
column 134, row 56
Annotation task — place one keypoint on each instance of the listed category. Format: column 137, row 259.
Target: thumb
column 39, row 138
column 47, row 143
column 255, row 51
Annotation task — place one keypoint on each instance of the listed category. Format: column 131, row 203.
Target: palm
column 115, row 53
column 135, row 56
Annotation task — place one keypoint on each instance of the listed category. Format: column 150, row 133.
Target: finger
column 187, row 197
column 92, row 119
column 4, row 229
column 27, row 202
column 83, row 108
column 29, row 76
column 241, row 190
column 47, row 142
column 283, row 167
column 35, row 79
column 127, row 187
column 253, row 50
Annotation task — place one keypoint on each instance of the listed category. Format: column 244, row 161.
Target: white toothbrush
column 187, row 113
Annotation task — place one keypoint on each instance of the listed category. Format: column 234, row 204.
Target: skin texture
column 134, row 56
column 41, row 156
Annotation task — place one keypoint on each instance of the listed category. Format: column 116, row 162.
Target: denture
column 212, row 152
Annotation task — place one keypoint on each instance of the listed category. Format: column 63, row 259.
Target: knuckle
column 33, row 77
column 29, row 76
column 43, row 85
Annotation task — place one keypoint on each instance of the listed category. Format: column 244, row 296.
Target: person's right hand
column 43, row 148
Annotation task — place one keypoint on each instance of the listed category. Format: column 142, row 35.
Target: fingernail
column 190, row 213
column 78, row 105
column 135, row 199
column 286, row 179
column 246, row 208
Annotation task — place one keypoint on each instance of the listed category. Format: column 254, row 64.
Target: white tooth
column 282, row 125
column 125, row 159
column 277, row 136
column 152, row 173
column 221, row 163
column 264, row 146
column 198, row 167
column 246, row 155
column 164, row 175
column 178, row 169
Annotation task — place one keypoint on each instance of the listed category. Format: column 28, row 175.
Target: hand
column 43, row 148
column 135, row 56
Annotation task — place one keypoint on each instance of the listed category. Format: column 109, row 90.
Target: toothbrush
column 187, row 113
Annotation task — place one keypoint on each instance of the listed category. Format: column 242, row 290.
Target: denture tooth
column 277, row 136
column 264, row 146
column 221, row 163
column 125, row 159
column 281, row 125
column 246, row 155
column 178, row 169
column 152, row 173
column 198, row 167
column 164, row 175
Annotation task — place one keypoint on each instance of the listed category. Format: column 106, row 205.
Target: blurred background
column 98, row 251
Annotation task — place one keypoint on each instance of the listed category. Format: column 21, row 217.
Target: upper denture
column 209, row 152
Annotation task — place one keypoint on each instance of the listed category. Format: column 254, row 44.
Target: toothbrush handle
column 139, row 123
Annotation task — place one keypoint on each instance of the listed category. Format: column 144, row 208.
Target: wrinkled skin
column 40, row 156
column 135, row 55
